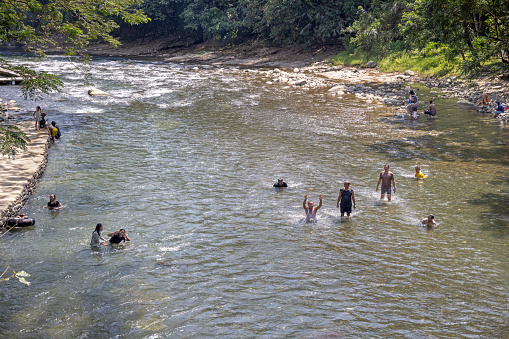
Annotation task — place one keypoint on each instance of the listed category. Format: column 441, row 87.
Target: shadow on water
column 496, row 219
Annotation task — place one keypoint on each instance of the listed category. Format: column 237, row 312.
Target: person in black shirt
column 54, row 203
column 118, row 236
column 280, row 183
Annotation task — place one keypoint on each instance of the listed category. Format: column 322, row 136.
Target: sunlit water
column 187, row 167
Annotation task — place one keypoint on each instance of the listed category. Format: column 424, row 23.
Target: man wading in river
column 386, row 178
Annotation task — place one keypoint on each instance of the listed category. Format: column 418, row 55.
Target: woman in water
column 310, row 208
column 97, row 239
column 54, row 203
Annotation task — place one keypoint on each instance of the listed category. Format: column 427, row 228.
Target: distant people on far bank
column 118, row 236
column 37, row 115
column 429, row 221
column 53, row 203
column 345, row 199
column 97, row 239
column 499, row 109
column 412, row 102
column 485, row 102
column 311, row 209
column 386, row 178
column 418, row 174
column 280, row 183
column 431, row 111
column 58, row 135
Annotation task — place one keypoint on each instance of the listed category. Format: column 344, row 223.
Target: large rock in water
column 97, row 92
column 371, row 64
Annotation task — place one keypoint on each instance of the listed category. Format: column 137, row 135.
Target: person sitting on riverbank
column 280, row 184
column 97, row 239
column 429, row 221
column 418, row 173
column 345, row 199
column 58, row 135
column 44, row 121
column 485, row 102
column 499, row 109
column 52, row 131
column 54, row 203
column 431, row 111
column 311, row 209
column 118, row 236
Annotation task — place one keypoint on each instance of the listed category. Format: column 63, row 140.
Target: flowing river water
column 185, row 160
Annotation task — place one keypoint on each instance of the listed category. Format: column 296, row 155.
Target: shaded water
column 215, row 251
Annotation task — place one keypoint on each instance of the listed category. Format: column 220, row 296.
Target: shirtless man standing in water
column 386, row 178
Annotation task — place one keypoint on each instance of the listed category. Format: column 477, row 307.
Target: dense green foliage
column 12, row 139
column 281, row 21
column 460, row 34
column 466, row 33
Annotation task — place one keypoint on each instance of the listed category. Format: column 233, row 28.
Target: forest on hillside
column 469, row 33
column 473, row 31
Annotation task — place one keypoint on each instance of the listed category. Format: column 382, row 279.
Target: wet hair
column 54, row 123
column 98, row 228
column 412, row 92
column 121, row 230
column 432, row 216
column 431, row 101
column 387, row 164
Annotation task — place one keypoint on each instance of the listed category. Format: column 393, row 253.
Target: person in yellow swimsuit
column 52, row 131
column 418, row 173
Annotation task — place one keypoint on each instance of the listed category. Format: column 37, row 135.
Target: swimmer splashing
column 310, row 208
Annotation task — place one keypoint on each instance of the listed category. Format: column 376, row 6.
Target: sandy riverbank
column 21, row 174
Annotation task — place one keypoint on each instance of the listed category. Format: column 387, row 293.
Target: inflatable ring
column 18, row 222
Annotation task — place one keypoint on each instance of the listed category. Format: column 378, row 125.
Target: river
column 185, row 160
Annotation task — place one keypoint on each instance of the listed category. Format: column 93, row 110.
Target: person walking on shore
column 345, row 199
column 311, row 209
column 386, row 178
column 37, row 116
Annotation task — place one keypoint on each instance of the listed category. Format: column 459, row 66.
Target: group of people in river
column 484, row 107
column 115, row 237
column 346, row 198
column 42, row 122
column 413, row 105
